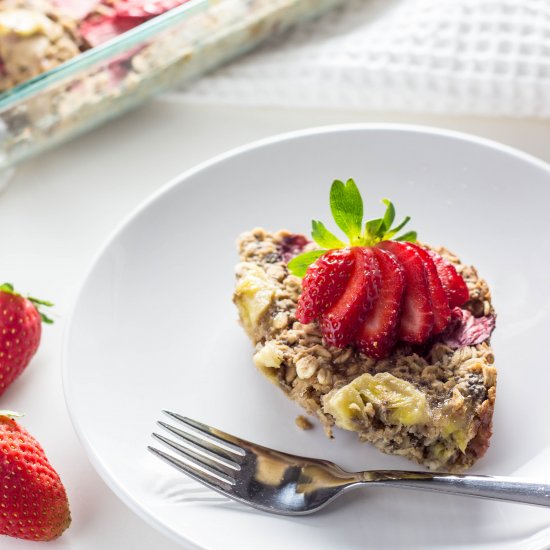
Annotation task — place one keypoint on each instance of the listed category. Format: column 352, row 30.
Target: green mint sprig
column 346, row 205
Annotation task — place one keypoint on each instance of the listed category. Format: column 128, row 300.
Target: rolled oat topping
column 303, row 423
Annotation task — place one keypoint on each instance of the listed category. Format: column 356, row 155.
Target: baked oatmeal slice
column 431, row 403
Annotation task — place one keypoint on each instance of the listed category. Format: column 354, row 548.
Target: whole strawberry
column 20, row 331
column 32, row 498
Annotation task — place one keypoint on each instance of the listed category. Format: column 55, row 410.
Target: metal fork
column 286, row 484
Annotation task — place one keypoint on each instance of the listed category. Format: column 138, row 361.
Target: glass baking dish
column 110, row 79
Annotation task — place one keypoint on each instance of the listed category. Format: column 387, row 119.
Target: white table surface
column 59, row 209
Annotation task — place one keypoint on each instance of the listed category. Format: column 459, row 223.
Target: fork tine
column 188, row 447
column 209, row 435
column 197, row 470
column 190, row 437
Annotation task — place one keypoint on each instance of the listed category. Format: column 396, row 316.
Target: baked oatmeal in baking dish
column 383, row 336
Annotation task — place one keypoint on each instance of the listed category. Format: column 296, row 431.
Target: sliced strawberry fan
column 380, row 288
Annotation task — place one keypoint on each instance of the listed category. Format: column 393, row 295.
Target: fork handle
column 495, row 488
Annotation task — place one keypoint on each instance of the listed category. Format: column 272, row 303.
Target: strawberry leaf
column 346, row 205
column 38, row 302
column 298, row 265
column 373, row 229
column 389, row 215
column 10, row 414
column 45, row 318
column 323, row 237
column 410, row 237
column 6, row 287
column 389, row 234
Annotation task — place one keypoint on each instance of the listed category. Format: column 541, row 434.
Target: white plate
column 154, row 328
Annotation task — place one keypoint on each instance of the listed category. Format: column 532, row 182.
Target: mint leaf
column 298, row 265
column 323, row 237
column 389, row 215
column 410, row 237
column 346, row 205
column 389, row 234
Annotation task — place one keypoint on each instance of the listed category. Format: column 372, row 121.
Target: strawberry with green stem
column 21, row 321
column 404, row 292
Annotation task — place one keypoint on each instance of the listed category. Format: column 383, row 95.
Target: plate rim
column 182, row 179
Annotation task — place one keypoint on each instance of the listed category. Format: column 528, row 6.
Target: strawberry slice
column 341, row 321
column 378, row 334
column 324, row 283
column 438, row 296
column 453, row 283
column 417, row 318
column 96, row 30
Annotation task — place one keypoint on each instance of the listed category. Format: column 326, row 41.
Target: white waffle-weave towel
column 488, row 57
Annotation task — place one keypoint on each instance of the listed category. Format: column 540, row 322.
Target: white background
column 60, row 207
